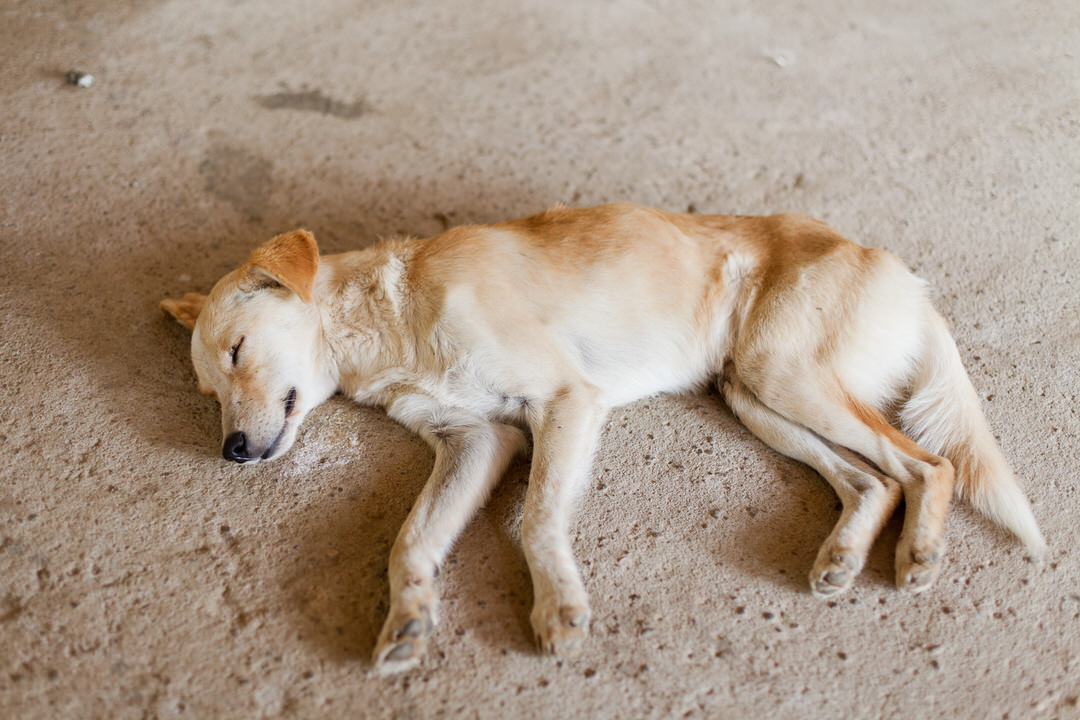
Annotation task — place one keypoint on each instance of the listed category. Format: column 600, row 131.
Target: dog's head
column 257, row 346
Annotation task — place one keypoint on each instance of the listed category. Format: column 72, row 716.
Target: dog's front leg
column 564, row 440
column 470, row 456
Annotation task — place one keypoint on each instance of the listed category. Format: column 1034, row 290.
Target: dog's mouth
column 290, row 405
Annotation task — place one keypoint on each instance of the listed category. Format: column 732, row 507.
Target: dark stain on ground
column 314, row 101
column 242, row 179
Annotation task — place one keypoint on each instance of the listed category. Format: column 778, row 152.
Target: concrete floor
column 142, row 576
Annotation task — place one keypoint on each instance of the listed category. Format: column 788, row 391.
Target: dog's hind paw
column 917, row 570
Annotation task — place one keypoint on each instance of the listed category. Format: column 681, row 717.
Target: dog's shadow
column 335, row 587
column 334, row 583
column 789, row 512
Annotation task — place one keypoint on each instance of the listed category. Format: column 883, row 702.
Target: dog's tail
column 944, row 415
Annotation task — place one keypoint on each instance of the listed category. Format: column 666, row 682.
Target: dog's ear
column 290, row 260
column 186, row 310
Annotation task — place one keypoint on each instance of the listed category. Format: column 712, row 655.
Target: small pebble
column 780, row 58
column 79, row 79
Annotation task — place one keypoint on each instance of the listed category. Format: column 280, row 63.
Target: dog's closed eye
column 234, row 351
column 290, row 402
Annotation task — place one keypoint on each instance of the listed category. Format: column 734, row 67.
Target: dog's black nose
column 235, row 448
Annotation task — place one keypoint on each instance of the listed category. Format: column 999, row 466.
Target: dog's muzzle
column 235, row 447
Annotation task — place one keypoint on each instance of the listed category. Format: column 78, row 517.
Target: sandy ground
column 142, row 576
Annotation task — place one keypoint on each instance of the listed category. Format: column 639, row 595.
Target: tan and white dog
column 828, row 351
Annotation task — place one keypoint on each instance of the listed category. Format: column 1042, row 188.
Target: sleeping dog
column 828, row 351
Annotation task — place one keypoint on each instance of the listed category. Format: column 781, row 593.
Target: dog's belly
column 623, row 346
column 628, row 367
column 504, row 380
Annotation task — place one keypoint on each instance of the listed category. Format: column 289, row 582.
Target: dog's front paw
column 403, row 639
column 560, row 629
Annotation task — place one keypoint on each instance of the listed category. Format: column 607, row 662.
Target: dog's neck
column 363, row 302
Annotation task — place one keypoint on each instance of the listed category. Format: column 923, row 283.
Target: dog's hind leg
column 564, row 439
column 471, row 455
column 868, row 496
column 823, row 405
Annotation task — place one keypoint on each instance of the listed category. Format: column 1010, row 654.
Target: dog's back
column 619, row 296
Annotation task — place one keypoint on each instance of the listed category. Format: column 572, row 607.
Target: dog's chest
column 473, row 389
column 461, row 388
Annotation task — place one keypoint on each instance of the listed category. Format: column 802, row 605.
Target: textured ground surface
column 142, row 576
